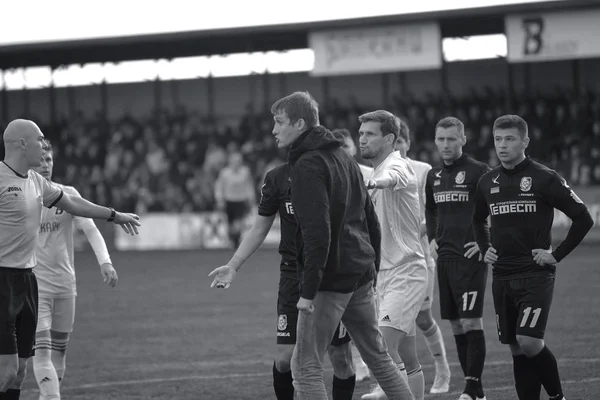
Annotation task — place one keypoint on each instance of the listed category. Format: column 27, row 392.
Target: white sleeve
column 394, row 177
column 95, row 238
column 91, row 232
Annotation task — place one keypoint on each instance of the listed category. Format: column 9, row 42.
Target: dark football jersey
column 521, row 203
column 449, row 202
column 276, row 197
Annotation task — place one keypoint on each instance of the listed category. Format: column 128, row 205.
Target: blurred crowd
column 170, row 160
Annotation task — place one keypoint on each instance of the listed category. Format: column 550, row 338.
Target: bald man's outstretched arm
column 81, row 207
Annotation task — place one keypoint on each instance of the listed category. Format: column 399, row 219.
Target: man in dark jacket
column 338, row 242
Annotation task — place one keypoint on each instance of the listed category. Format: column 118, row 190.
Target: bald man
column 23, row 192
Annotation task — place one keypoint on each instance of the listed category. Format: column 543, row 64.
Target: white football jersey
column 55, row 270
column 421, row 169
column 366, row 171
column 399, row 212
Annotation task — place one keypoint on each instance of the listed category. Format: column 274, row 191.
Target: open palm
column 223, row 276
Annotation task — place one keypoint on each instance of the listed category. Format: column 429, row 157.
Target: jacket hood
column 315, row 138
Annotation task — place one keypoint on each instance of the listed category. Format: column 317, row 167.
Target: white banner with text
column 208, row 230
column 564, row 35
column 171, row 231
column 379, row 49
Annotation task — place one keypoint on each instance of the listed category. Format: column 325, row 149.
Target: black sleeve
column 481, row 212
column 431, row 217
column 562, row 197
column 310, row 198
column 374, row 230
column 269, row 201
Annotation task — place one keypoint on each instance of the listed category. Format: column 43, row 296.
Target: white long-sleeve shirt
column 421, row 169
column 398, row 209
column 55, row 270
column 235, row 185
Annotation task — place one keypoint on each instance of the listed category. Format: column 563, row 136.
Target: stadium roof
column 469, row 22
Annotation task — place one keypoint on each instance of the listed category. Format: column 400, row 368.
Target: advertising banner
column 564, row 35
column 208, row 230
column 171, row 231
column 377, row 49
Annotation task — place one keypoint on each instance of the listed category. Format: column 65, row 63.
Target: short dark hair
column 389, row 123
column 512, row 121
column 449, row 122
column 404, row 132
column 298, row 105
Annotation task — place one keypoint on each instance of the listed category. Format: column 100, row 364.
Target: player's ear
column 301, row 124
column 391, row 139
column 526, row 141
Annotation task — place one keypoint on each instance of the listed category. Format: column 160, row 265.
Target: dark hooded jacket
column 338, row 237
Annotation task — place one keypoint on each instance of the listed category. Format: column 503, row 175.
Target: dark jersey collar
column 518, row 168
column 457, row 163
column 16, row 173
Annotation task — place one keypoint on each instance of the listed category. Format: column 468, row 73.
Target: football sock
column 59, row 356
column 343, row 389
column 416, row 382
column 12, row 394
column 45, row 375
column 527, row 384
column 402, row 370
column 435, row 344
column 283, row 384
column 461, row 347
column 475, row 360
column 547, row 370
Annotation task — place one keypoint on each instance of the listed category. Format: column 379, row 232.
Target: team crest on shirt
column 460, row 178
column 282, row 322
column 526, row 183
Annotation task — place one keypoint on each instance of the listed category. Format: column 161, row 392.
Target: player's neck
column 17, row 164
column 450, row 162
column 513, row 164
column 381, row 158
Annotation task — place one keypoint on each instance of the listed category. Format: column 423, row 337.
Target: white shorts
column 430, row 288
column 400, row 294
column 56, row 314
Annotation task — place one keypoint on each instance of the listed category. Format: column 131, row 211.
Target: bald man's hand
column 129, row 222
column 77, row 205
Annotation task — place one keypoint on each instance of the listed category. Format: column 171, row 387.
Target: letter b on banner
column 534, row 28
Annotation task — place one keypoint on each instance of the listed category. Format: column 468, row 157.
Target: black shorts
column 235, row 210
column 522, row 306
column 18, row 311
column 287, row 314
column 462, row 288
